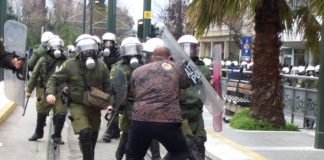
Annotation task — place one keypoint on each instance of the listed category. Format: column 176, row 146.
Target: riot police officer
column 110, row 55
column 41, row 50
column 191, row 105
column 131, row 53
column 44, row 68
column 110, row 50
column 82, row 73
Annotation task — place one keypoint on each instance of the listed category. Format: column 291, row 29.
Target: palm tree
column 270, row 18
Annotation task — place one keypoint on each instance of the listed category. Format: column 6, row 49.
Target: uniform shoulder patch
column 167, row 66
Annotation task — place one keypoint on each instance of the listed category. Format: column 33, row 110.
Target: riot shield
column 119, row 84
column 15, row 36
column 207, row 94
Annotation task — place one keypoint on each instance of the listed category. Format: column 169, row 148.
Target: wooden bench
column 238, row 95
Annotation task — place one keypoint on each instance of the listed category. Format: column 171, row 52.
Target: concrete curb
column 5, row 112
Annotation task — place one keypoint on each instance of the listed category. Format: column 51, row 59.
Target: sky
column 135, row 8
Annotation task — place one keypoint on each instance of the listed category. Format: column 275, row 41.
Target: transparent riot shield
column 119, row 84
column 15, row 36
column 207, row 94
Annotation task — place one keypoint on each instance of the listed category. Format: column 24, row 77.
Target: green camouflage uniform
column 191, row 112
column 72, row 72
column 126, row 107
column 37, row 53
column 44, row 68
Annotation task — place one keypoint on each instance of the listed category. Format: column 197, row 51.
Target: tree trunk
column 266, row 80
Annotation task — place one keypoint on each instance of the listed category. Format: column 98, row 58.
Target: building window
column 299, row 57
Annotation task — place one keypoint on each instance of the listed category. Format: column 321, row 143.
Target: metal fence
column 299, row 96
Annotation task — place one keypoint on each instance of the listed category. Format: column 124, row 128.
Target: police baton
column 25, row 106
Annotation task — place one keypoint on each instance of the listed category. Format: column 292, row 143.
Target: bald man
column 156, row 111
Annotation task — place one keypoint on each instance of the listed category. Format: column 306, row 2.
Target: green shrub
column 243, row 120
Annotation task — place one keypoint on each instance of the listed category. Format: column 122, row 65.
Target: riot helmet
column 317, row 69
column 228, row 63
column 244, row 65
column 189, row 44
column 82, row 36
column 131, row 48
column 109, row 41
column 45, row 37
column 71, row 50
column 285, row 70
column 150, row 46
column 249, row 66
column 234, row 63
column 294, row 70
column 55, row 46
column 301, row 70
column 222, row 63
column 98, row 40
column 87, row 52
column 310, row 70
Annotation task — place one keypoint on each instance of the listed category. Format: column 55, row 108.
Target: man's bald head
column 161, row 53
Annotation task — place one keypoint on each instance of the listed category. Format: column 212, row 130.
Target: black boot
column 107, row 136
column 94, row 141
column 155, row 150
column 115, row 131
column 121, row 147
column 192, row 149
column 85, row 142
column 58, row 121
column 39, row 131
column 200, row 143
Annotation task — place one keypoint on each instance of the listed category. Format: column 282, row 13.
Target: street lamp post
column 111, row 21
column 147, row 16
column 319, row 133
column 84, row 16
column 3, row 15
column 91, row 15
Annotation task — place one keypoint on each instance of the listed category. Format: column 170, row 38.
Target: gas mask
column 106, row 52
column 57, row 53
column 88, row 58
column 90, row 63
column 134, row 62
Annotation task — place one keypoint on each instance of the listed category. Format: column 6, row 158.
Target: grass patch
column 243, row 120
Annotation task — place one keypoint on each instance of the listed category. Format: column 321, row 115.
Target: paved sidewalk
column 230, row 144
column 233, row 144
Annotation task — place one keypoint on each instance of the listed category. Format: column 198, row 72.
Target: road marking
column 252, row 155
column 274, row 148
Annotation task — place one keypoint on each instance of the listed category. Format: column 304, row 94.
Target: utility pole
column 84, row 15
column 319, row 132
column 111, row 21
column 91, row 15
column 3, row 17
column 147, row 16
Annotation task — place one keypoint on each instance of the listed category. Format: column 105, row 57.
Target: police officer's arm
column 59, row 77
column 37, row 53
column 6, row 58
column 32, row 81
column 107, row 85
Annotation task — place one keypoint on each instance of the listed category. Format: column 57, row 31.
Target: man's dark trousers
column 169, row 135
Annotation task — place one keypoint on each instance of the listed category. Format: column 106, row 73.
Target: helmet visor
column 84, row 47
column 190, row 48
column 131, row 50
